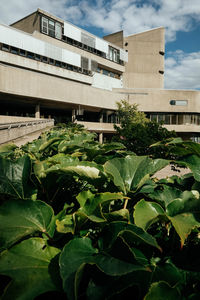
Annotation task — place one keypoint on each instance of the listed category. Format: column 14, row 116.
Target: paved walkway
column 167, row 172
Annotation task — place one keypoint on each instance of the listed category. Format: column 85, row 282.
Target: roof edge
column 161, row 27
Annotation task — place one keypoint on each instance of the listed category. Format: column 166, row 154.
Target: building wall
column 116, row 39
column 102, row 61
column 145, row 62
column 29, row 64
column 28, row 24
column 38, row 86
column 158, row 100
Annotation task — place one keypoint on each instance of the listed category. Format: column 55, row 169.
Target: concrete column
column 101, row 118
column 73, row 115
column 101, row 137
column 37, row 111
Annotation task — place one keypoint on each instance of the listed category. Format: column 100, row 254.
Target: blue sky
column 181, row 19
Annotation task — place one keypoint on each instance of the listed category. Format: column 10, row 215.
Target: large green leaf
column 184, row 213
column 73, row 255
column 91, row 204
column 146, row 213
column 132, row 234
column 28, row 264
column 82, row 169
column 193, row 163
column 80, row 251
column 21, row 218
column 166, row 194
column 162, row 290
column 75, row 141
column 132, row 172
column 15, row 176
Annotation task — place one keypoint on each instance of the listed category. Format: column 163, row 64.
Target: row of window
column 54, row 29
column 175, row 119
column 108, row 73
column 44, row 59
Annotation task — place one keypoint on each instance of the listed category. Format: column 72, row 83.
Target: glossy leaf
column 132, row 234
column 91, row 204
column 146, row 213
column 19, row 218
column 193, row 163
column 162, row 290
column 14, row 177
column 166, row 194
column 80, row 251
column 28, row 264
column 65, row 225
column 132, row 172
column 74, row 254
column 82, row 169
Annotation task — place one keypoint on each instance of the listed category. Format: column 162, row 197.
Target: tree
column 137, row 132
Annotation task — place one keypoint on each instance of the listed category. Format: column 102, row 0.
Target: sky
column 181, row 19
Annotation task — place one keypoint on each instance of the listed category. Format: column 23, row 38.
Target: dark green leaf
column 19, row 218
column 14, row 177
column 162, row 290
column 146, row 213
column 132, row 172
column 28, row 265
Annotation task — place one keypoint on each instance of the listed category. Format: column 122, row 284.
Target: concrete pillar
column 73, row 115
column 101, row 137
column 101, row 118
column 37, row 111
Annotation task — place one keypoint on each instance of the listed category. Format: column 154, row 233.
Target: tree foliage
column 137, row 132
column 80, row 220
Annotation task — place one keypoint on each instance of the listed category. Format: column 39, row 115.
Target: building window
column 44, row 25
column 51, row 28
column 178, row 102
column 5, row 47
column 114, row 54
column 58, row 31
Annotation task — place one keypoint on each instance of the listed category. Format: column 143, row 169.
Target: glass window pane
column 160, row 118
column 188, row 119
column 58, row 31
column 173, row 119
column 180, row 119
column 167, row 119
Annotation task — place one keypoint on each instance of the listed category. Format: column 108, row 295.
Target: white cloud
column 130, row 15
column 182, row 70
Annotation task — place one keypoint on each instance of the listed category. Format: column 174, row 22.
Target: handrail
column 4, row 126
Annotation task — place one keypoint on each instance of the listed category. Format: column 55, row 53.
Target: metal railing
column 7, row 126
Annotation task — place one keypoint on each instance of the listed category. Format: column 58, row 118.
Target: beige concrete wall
column 187, row 128
column 12, row 119
column 38, row 86
column 41, row 67
column 102, row 61
column 28, row 24
column 144, row 60
column 98, row 127
column 158, row 100
column 116, row 38
column 7, row 135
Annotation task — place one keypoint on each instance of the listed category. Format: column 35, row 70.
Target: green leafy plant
column 81, row 220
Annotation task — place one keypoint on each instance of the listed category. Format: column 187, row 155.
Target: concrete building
column 50, row 68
